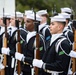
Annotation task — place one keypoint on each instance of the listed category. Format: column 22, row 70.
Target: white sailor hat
column 7, row 15
column 58, row 19
column 66, row 9
column 65, row 15
column 28, row 12
column 19, row 14
column 1, row 15
column 12, row 15
column 42, row 12
column 32, row 16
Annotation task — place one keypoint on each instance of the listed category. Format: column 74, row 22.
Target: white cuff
column 37, row 63
column 1, row 66
column 19, row 56
column 72, row 54
column 5, row 50
column 43, row 66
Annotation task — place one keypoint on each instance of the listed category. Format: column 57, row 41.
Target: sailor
column 1, row 34
column 30, row 42
column 68, row 32
column 7, row 16
column 29, row 45
column 55, row 61
column 19, row 16
column 25, row 14
column 44, row 27
column 68, row 11
column 11, row 30
column 13, row 41
column 4, row 23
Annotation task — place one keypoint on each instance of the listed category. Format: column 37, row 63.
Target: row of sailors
column 27, row 39
column 50, row 59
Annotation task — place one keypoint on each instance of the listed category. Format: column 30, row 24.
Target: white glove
column 19, row 56
column 1, row 66
column 72, row 54
column 5, row 50
column 37, row 63
column 15, row 73
column 70, row 72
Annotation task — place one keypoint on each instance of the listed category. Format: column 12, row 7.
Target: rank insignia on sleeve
column 61, row 53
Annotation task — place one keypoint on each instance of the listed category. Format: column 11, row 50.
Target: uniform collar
column 70, row 22
column 12, row 29
column 54, row 37
column 65, row 28
column 43, row 23
column 41, row 26
column 30, row 35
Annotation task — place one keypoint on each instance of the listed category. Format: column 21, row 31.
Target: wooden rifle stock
column 74, row 48
column 18, row 48
column 37, row 51
column 37, row 56
column 4, row 45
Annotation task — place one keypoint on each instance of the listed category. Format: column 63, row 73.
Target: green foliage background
column 50, row 5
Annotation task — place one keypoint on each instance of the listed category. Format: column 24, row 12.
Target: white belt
column 53, row 72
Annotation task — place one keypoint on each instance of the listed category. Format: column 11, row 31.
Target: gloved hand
column 1, row 66
column 15, row 73
column 72, row 54
column 5, row 51
column 19, row 56
column 37, row 63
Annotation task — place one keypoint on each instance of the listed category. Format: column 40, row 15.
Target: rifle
column 74, row 48
column 54, row 11
column 37, row 51
column 4, row 45
column 18, row 48
column 18, row 45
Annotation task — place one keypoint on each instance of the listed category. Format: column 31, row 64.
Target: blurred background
column 52, row 6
